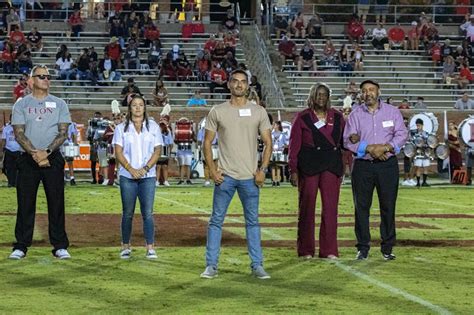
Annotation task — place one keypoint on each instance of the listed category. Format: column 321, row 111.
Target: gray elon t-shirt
column 41, row 118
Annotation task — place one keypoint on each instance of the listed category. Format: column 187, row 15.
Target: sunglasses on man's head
column 42, row 76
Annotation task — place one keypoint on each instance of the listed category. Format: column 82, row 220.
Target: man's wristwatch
column 263, row 169
column 146, row 168
column 48, row 151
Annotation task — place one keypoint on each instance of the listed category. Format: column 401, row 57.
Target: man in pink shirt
column 381, row 133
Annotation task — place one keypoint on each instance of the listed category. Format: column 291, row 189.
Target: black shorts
column 163, row 162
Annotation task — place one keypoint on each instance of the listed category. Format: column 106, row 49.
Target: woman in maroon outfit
column 315, row 163
column 455, row 156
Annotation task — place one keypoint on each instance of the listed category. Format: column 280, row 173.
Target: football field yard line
column 451, row 204
column 392, row 289
column 268, row 232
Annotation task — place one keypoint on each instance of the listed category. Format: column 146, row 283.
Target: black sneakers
column 72, row 182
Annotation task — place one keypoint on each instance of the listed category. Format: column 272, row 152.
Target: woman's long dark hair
column 129, row 113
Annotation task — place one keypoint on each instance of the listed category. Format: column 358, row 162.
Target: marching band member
column 422, row 162
column 71, row 138
column 101, row 148
column 108, row 137
column 93, row 149
column 315, row 162
column 163, row 163
column 279, row 144
column 200, row 140
column 137, row 144
column 11, row 152
column 185, row 156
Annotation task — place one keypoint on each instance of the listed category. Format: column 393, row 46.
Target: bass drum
column 184, row 131
column 430, row 122
column 466, row 131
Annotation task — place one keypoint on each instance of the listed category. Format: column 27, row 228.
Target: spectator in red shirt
column 17, row 37
column 287, row 50
column 202, row 66
column 355, row 29
column 218, row 79
column 210, row 44
column 465, row 76
column 414, row 36
column 76, row 23
column 219, row 52
column 396, row 36
column 297, row 27
column 115, row 51
column 436, row 54
column 404, row 104
column 8, row 59
column 21, row 88
column 151, row 34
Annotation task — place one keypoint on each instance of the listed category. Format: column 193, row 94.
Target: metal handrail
column 274, row 93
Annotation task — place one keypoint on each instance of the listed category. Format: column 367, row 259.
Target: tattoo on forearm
column 60, row 138
column 21, row 138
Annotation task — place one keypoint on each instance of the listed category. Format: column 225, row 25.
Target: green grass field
column 433, row 272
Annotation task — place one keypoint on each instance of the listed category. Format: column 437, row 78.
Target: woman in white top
column 279, row 144
column 137, row 144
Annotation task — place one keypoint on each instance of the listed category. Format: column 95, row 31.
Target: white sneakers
column 409, row 183
column 62, row 254
column 165, row 183
column 17, row 254
column 127, row 254
column 151, row 254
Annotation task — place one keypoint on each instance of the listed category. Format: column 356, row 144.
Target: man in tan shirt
column 238, row 123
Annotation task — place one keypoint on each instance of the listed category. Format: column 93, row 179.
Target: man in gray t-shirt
column 464, row 103
column 238, row 123
column 40, row 122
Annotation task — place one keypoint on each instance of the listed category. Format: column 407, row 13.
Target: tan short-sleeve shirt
column 238, row 129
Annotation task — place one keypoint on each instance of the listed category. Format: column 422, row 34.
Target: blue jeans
column 249, row 196
column 144, row 189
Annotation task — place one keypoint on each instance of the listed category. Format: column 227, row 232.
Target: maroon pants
column 111, row 173
column 329, row 185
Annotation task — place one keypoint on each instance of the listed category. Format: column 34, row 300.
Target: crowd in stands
column 451, row 62
column 130, row 32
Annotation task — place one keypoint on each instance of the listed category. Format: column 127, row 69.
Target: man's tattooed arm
column 60, row 138
column 21, row 138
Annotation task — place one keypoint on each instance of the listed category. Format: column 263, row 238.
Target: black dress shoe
column 73, row 182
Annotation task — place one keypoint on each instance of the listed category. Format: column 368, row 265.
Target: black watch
column 48, row 151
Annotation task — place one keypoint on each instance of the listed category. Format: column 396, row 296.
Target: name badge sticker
column 245, row 112
column 319, row 124
column 50, row 104
column 387, row 123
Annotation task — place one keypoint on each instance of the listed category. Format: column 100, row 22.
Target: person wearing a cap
column 468, row 28
column 315, row 163
column 129, row 91
column 131, row 56
column 114, row 51
column 380, row 132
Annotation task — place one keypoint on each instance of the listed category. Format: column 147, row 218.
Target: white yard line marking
column 451, row 204
column 273, row 235
column 391, row 289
